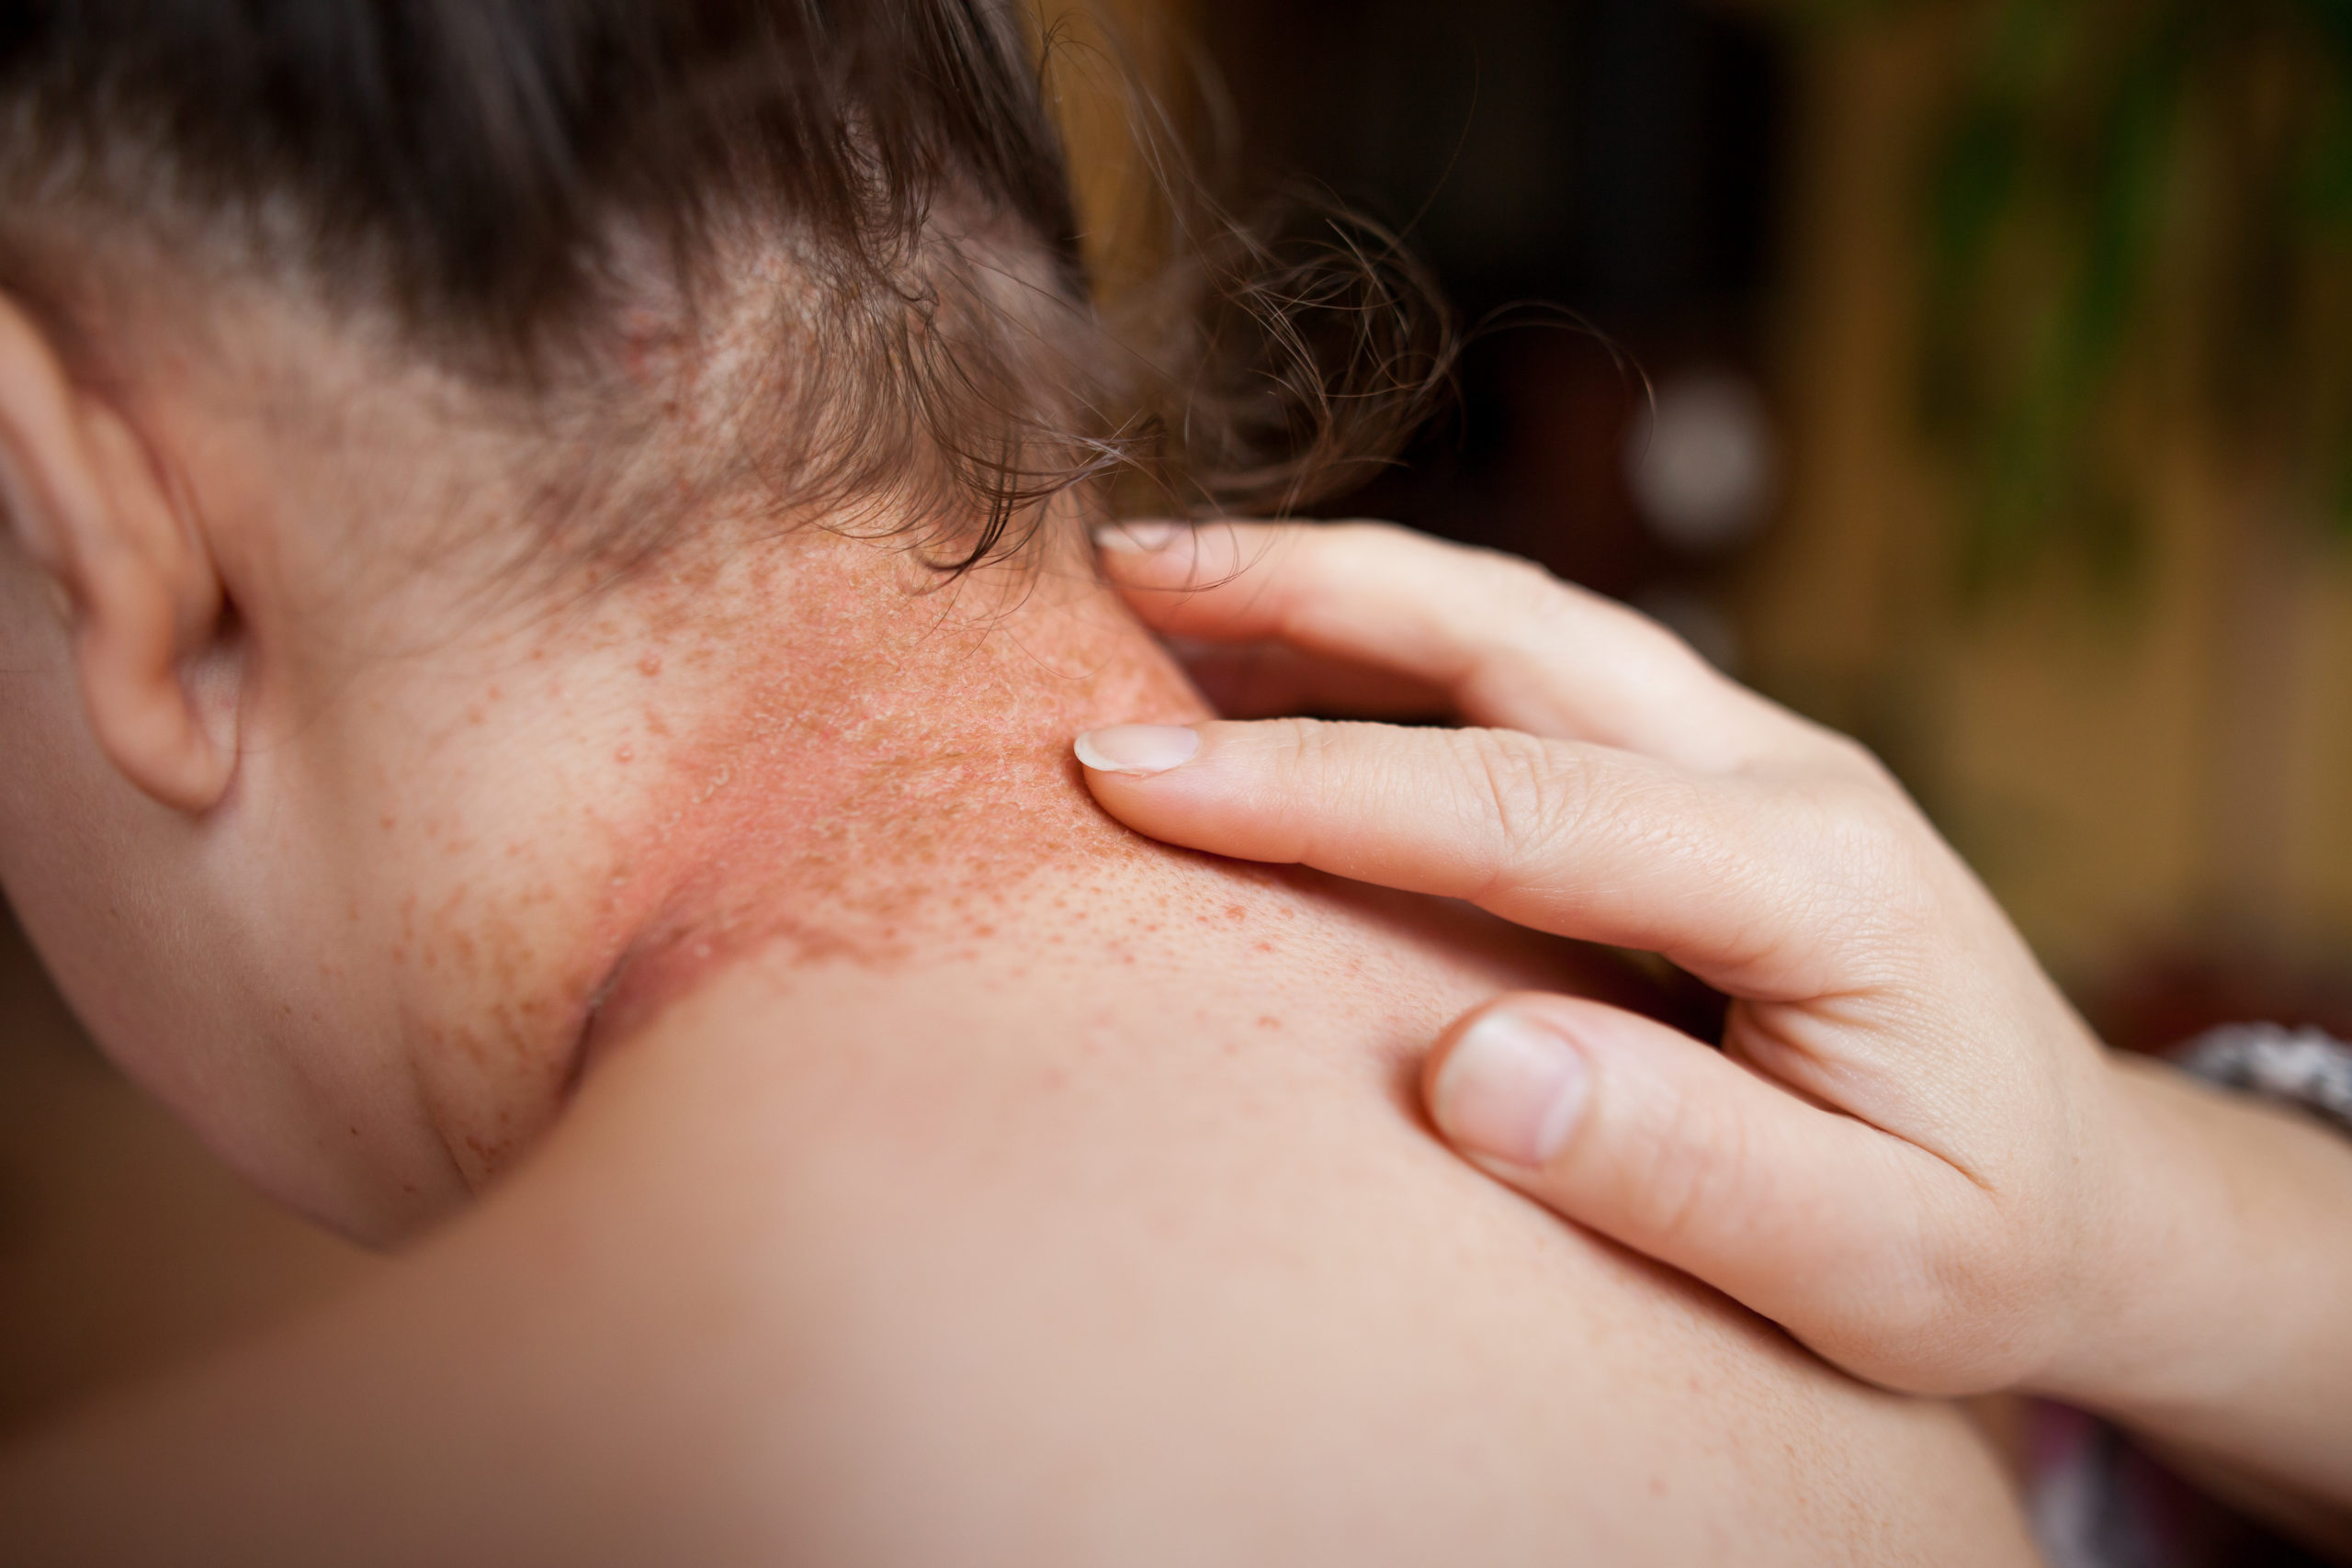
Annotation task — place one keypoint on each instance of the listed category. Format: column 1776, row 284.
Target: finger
column 1514, row 647
column 1821, row 1222
column 1753, row 892
column 1272, row 679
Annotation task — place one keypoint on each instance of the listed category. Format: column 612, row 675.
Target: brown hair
column 497, row 171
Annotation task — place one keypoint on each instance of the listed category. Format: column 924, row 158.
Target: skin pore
column 848, row 1145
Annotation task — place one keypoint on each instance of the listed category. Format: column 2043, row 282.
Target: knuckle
column 1966, row 1306
column 1645, row 633
column 1529, row 590
column 1309, row 759
column 1367, row 532
column 1533, row 793
column 1311, row 771
column 1506, row 583
column 1846, row 759
column 1694, row 1179
column 1906, row 886
column 1862, row 847
column 1874, row 843
column 1368, row 544
column 1520, row 574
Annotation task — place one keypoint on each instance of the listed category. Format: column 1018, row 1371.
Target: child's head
column 411, row 416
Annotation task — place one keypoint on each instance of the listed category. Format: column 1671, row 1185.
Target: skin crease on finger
column 742, row 932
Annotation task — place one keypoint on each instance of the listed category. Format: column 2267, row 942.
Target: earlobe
column 90, row 509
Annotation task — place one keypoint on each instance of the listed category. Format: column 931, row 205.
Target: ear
column 89, row 506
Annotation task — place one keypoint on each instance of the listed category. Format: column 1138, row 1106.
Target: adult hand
column 1908, row 1149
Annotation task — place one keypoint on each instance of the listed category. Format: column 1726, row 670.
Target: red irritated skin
column 469, row 803
column 817, row 751
column 876, row 763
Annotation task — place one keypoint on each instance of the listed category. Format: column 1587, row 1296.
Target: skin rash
column 548, row 803
column 905, row 775
column 819, row 754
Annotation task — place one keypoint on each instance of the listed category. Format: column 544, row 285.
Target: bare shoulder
column 1095, row 1297
column 854, row 1269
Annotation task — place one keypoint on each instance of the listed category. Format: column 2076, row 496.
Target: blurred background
column 1975, row 376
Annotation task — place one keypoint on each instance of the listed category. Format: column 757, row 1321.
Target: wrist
column 2157, row 1259
column 2213, row 1324
column 2216, row 1266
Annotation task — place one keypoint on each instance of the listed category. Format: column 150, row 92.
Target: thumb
column 1634, row 1130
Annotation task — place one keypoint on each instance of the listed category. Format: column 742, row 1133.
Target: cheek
column 64, row 827
column 41, row 703
column 165, row 968
column 108, row 887
column 78, row 859
column 57, row 790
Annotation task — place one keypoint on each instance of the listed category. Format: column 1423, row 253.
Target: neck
column 835, row 767
column 894, row 784
column 521, row 841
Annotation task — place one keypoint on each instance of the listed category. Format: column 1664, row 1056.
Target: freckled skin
column 885, row 769
column 816, row 748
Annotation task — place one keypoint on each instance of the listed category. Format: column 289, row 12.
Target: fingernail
column 1138, row 749
column 1136, row 539
column 1513, row 1088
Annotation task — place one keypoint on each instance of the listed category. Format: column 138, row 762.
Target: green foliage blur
column 2137, row 210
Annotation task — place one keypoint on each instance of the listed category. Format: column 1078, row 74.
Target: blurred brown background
column 1962, row 372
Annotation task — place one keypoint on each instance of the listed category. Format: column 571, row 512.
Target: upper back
column 1122, row 1242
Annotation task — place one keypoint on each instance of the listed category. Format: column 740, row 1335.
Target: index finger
column 1743, row 889
column 1512, row 646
